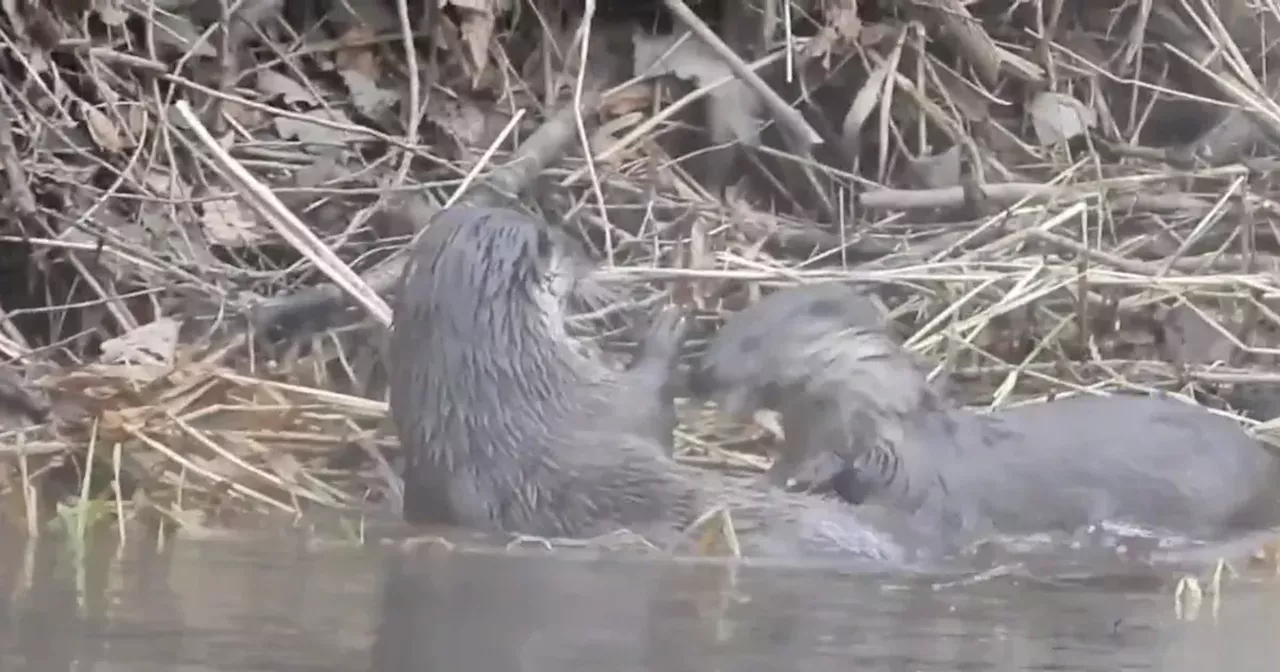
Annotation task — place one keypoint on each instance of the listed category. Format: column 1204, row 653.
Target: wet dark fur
column 508, row 427
column 860, row 417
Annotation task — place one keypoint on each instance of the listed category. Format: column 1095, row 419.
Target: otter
column 860, row 418
column 508, row 427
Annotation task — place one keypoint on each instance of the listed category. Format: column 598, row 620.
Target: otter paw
column 667, row 333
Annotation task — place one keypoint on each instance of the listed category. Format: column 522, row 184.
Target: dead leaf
column 864, row 103
column 102, row 129
column 167, row 184
column 192, row 523
column 274, row 84
column 371, row 16
column 315, row 134
column 1057, row 117
column 477, row 30
column 938, row 170
column 843, row 26
column 358, row 52
column 733, row 108
column 963, row 94
column 179, row 32
column 285, row 466
column 15, row 16
column 1190, row 338
column 369, row 98
column 257, row 12
column 465, row 122
column 17, row 396
column 126, row 230
column 152, row 344
column 226, row 222
column 137, row 121
column 876, row 33
column 111, row 12
column 635, row 98
column 604, row 137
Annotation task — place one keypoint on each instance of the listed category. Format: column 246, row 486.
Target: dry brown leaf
column 275, row 84
column 605, row 136
column 11, row 11
column 477, row 30
column 102, row 129
column 873, row 34
column 309, row 133
column 635, row 98
column 863, row 104
column 374, row 16
column 464, row 122
column 478, row 17
column 734, row 109
column 369, row 98
column 285, row 466
column 1190, row 338
column 111, row 12
column 249, row 117
column 843, row 26
column 167, row 184
column 938, row 170
column 226, row 222
column 962, row 93
column 191, row 522
column 152, row 343
column 137, row 121
column 361, row 58
column 842, row 16
column 1057, row 117
column 180, row 33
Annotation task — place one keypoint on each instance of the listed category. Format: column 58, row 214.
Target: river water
column 280, row 602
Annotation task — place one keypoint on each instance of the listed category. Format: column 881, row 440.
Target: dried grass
column 1024, row 263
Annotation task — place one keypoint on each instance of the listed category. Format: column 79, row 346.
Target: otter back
column 507, row 427
column 489, row 395
column 859, row 417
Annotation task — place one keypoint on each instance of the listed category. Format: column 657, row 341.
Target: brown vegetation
column 1054, row 195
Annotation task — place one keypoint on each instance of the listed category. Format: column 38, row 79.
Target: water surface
column 281, row 603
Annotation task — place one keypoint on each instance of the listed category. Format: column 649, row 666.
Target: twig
column 1007, row 193
column 284, row 222
column 540, row 150
column 788, row 117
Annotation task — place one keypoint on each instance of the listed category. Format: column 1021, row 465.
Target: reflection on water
column 283, row 605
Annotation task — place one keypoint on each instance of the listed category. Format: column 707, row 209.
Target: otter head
column 769, row 348
column 563, row 269
column 478, row 355
column 473, row 266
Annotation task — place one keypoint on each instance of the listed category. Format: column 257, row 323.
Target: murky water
column 286, row 605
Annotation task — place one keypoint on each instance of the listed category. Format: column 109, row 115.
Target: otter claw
column 672, row 321
column 667, row 333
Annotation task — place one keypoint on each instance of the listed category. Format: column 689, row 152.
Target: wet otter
column 859, row 417
column 508, row 427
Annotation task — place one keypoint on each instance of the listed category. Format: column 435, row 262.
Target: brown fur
column 508, row 427
column 860, row 416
